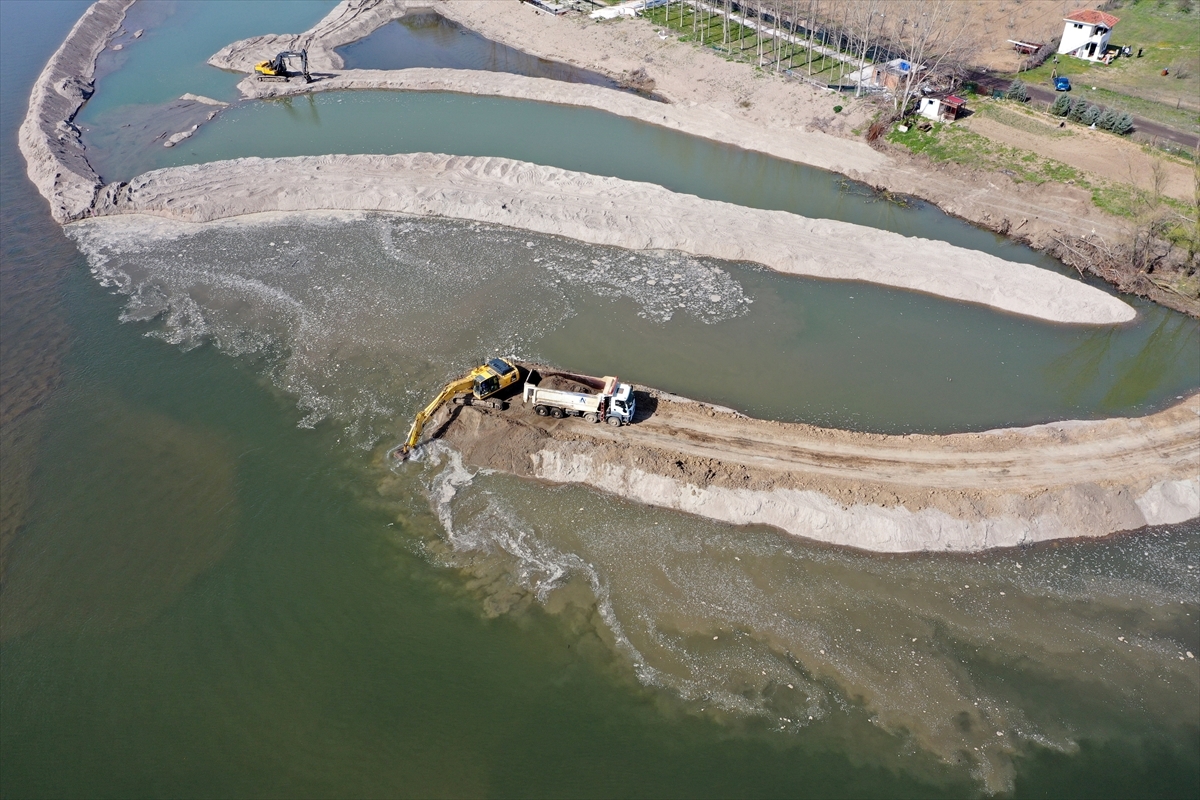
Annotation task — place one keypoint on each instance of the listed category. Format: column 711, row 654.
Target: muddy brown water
column 217, row 589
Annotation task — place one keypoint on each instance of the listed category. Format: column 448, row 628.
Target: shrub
column 1017, row 91
column 1124, row 124
column 1091, row 116
column 1108, row 119
column 837, row 109
column 1078, row 108
column 1062, row 104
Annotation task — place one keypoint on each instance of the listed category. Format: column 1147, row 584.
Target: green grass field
column 960, row 146
column 1169, row 37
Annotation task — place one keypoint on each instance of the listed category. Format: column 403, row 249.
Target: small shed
column 941, row 109
column 893, row 76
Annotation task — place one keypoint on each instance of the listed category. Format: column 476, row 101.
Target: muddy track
column 976, row 490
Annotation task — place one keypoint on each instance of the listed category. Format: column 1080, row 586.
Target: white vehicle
column 613, row 402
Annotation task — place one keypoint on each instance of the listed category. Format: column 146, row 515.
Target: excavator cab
column 277, row 69
column 493, row 376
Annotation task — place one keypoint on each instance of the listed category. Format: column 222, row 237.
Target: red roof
column 953, row 101
column 1091, row 17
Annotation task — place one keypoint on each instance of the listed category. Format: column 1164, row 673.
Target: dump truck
column 612, row 401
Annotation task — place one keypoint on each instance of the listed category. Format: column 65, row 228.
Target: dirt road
column 892, row 493
column 1045, row 94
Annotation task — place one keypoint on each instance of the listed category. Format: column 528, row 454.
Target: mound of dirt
column 888, row 493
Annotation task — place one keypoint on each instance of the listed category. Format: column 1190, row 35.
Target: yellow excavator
column 479, row 384
column 277, row 68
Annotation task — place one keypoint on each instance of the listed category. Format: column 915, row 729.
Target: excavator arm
column 414, row 433
column 481, row 382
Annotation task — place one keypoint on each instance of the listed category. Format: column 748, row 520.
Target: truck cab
column 622, row 406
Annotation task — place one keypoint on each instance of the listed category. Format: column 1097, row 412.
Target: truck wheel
column 556, row 412
column 592, row 417
column 541, row 410
column 614, row 421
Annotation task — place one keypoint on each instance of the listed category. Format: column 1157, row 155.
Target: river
column 216, row 589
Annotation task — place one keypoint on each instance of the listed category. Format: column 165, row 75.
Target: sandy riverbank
column 54, row 154
column 961, row 492
column 803, row 147
column 608, row 211
column 701, row 80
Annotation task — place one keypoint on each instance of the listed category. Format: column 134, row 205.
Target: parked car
column 1062, row 84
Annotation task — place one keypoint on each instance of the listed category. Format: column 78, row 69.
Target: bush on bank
column 1081, row 111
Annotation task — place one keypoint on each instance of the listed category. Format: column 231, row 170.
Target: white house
column 1085, row 34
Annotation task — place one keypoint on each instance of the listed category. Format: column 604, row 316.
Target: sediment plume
column 960, row 492
column 607, row 211
column 49, row 141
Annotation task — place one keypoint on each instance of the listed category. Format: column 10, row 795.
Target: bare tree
column 931, row 37
column 813, row 8
column 866, row 13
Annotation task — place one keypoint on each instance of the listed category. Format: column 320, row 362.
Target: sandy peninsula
column 958, row 493
column 49, row 141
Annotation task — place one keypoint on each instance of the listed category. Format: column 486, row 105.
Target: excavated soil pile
column 564, row 382
column 891, row 493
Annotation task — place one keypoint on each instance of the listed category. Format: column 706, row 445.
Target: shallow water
column 168, row 59
column 542, row 133
column 975, row 658
column 374, row 312
column 210, row 597
column 427, row 39
column 359, row 318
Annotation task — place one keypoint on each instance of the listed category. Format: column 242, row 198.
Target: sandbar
column 608, row 211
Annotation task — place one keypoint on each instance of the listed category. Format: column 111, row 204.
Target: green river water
column 215, row 589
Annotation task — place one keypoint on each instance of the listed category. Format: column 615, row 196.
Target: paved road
column 1044, row 94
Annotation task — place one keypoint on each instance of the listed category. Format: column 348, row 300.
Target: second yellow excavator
column 277, row 68
column 480, row 383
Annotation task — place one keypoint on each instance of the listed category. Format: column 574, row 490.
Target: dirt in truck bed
column 562, row 382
